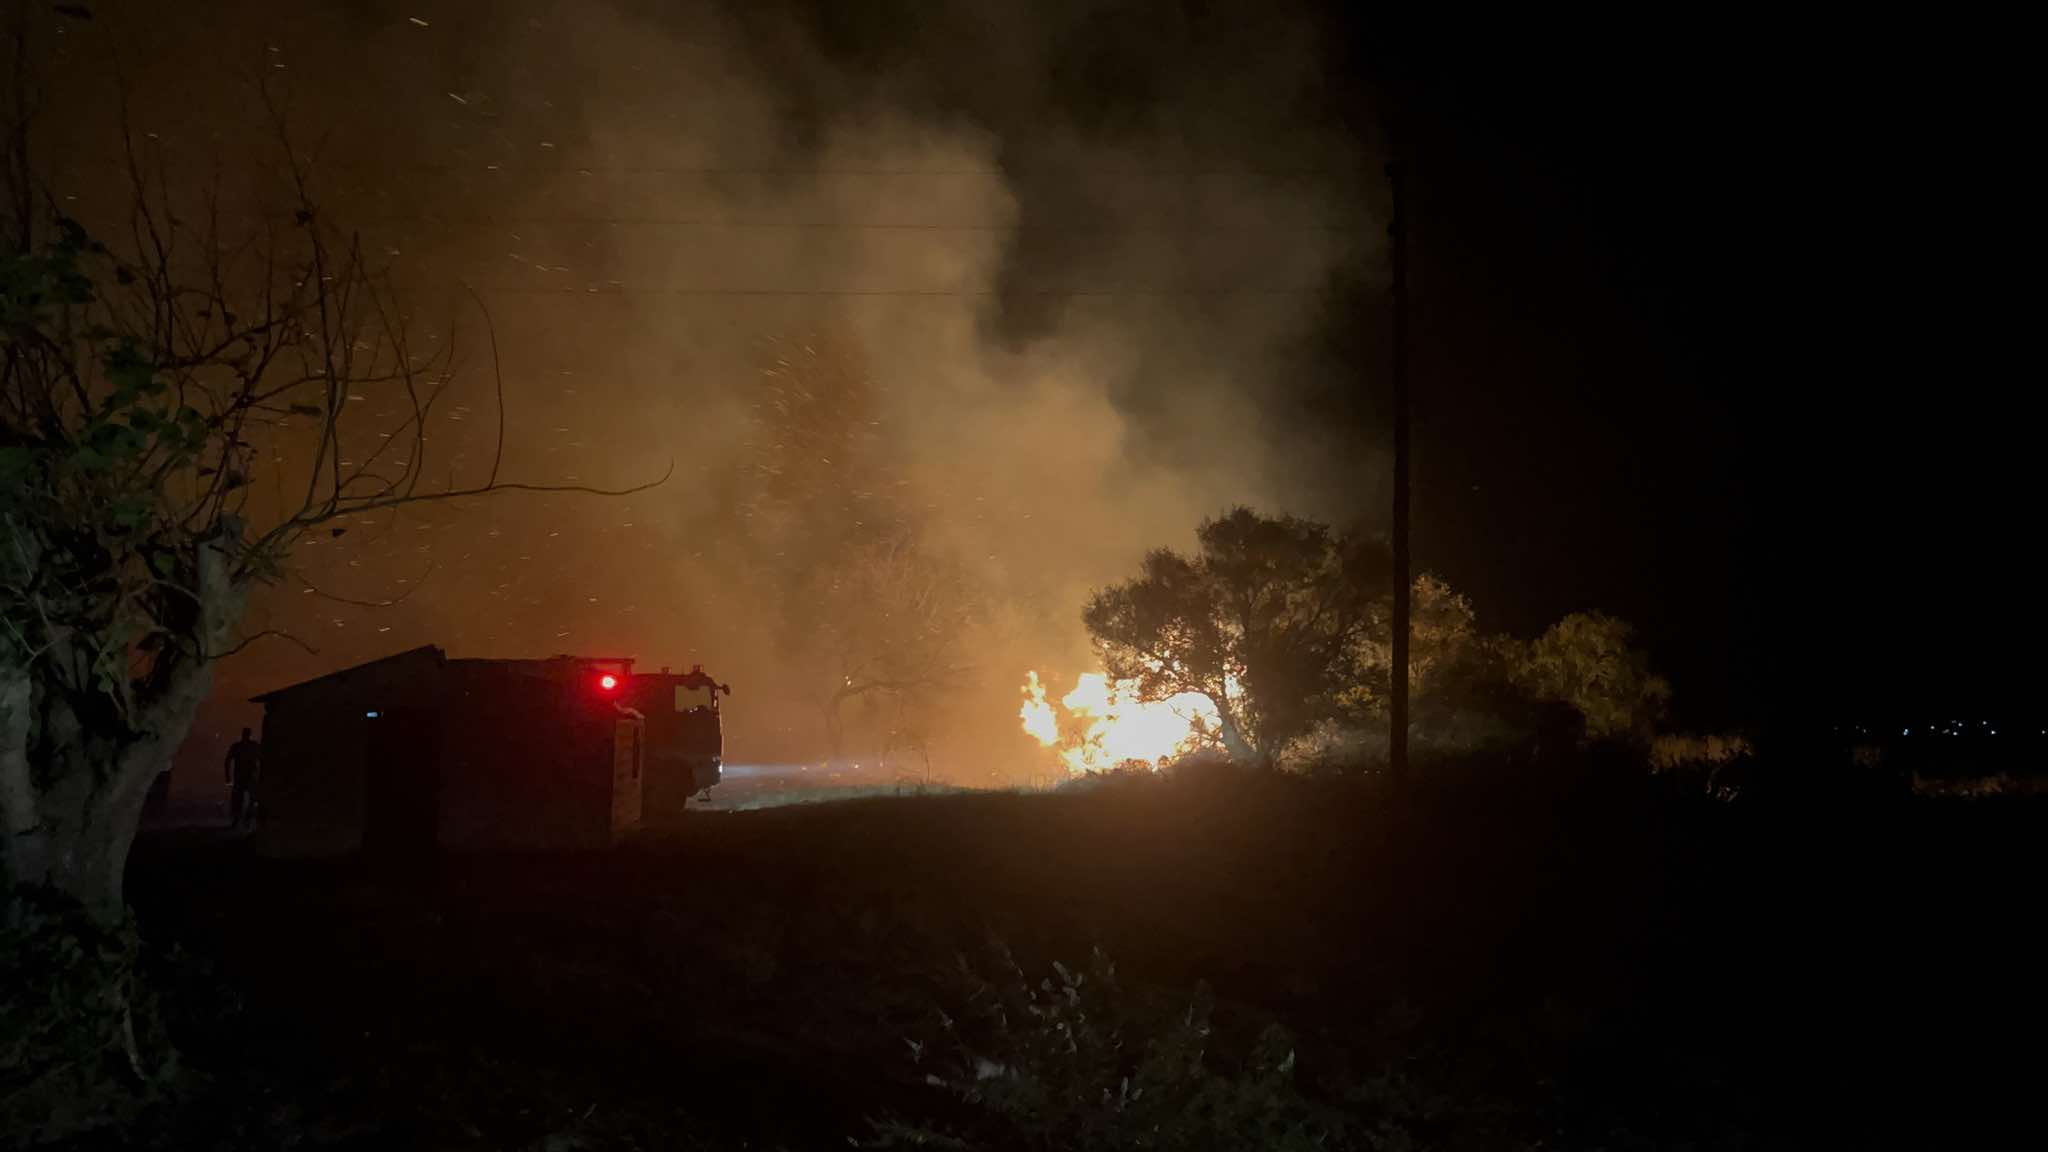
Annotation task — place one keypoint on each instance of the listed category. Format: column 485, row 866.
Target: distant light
column 608, row 682
column 372, row 714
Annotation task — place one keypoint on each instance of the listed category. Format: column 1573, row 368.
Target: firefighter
column 244, row 767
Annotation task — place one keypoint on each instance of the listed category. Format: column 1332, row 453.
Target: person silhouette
column 244, row 767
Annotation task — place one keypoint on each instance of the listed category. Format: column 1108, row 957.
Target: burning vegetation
column 1110, row 725
column 1271, row 645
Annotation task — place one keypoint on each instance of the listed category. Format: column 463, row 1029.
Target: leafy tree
column 1585, row 660
column 892, row 632
column 871, row 618
column 1265, row 620
column 1466, row 686
column 1442, row 637
column 1471, row 688
column 146, row 396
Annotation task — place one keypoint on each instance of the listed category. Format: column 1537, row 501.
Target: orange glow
column 1108, row 724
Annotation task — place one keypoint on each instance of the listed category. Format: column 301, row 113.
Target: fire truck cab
column 685, row 744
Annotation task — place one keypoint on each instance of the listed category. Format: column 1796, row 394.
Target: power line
column 354, row 220
column 846, row 225
column 1199, row 228
column 909, row 293
column 784, row 172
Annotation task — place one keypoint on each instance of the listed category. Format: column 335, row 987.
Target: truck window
column 689, row 698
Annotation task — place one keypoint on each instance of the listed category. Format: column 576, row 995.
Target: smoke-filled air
column 935, row 347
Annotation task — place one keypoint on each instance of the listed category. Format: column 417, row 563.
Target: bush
column 1129, row 774
column 82, row 1045
column 1076, row 1060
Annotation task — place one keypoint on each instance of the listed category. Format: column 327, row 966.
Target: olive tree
column 1587, row 661
column 176, row 412
column 874, row 620
column 894, row 633
column 1266, row 619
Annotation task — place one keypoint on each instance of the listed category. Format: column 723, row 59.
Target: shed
column 417, row 751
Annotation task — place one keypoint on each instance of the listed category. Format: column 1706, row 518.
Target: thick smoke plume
column 982, row 300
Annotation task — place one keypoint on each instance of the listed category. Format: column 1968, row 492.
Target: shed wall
column 525, row 760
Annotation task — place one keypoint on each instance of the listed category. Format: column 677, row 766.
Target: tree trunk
column 1240, row 749
column 24, row 858
column 75, row 832
column 835, row 727
column 72, row 828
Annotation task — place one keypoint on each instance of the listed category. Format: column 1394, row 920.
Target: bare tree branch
column 498, row 376
column 254, row 637
column 390, row 603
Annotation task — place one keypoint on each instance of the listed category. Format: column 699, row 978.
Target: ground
column 1593, row 964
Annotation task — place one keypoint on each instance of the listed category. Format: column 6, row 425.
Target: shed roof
column 425, row 650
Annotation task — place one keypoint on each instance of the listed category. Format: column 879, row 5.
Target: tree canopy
column 874, row 619
column 1585, row 660
column 1265, row 620
column 176, row 413
column 1285, row 626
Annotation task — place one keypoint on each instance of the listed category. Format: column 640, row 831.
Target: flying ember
column 1108, row 724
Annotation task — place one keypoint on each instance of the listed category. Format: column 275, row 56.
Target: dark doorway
column 402, row 782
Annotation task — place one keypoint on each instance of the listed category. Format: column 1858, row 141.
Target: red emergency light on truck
column 417, row 751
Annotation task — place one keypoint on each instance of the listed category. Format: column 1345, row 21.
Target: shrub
column 1673, row 752
column 1076, row 1060
column 82, row 1046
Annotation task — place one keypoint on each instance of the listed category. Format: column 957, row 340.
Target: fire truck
column 683, row 741
column 419, row 751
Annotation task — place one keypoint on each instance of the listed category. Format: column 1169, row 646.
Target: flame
column 1039, row 719
column 1109, row 724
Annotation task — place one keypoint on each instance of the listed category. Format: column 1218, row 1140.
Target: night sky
column 1704, row 335
column 1721, row 329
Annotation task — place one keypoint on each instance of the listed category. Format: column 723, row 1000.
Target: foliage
column 1994, row 784
column 1441, row 629
column 1585, row 660
column 1673, row 752
column 1474, row 692
column 1265, row 620
column 876, row 618
column 139, row 390
column 892, row 629
column 1284, row 626
column 1462, row 683
column 1077, row 1060
column 81, row 1044
column 146, row 395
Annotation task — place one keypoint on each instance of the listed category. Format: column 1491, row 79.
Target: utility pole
column 1397, row 724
